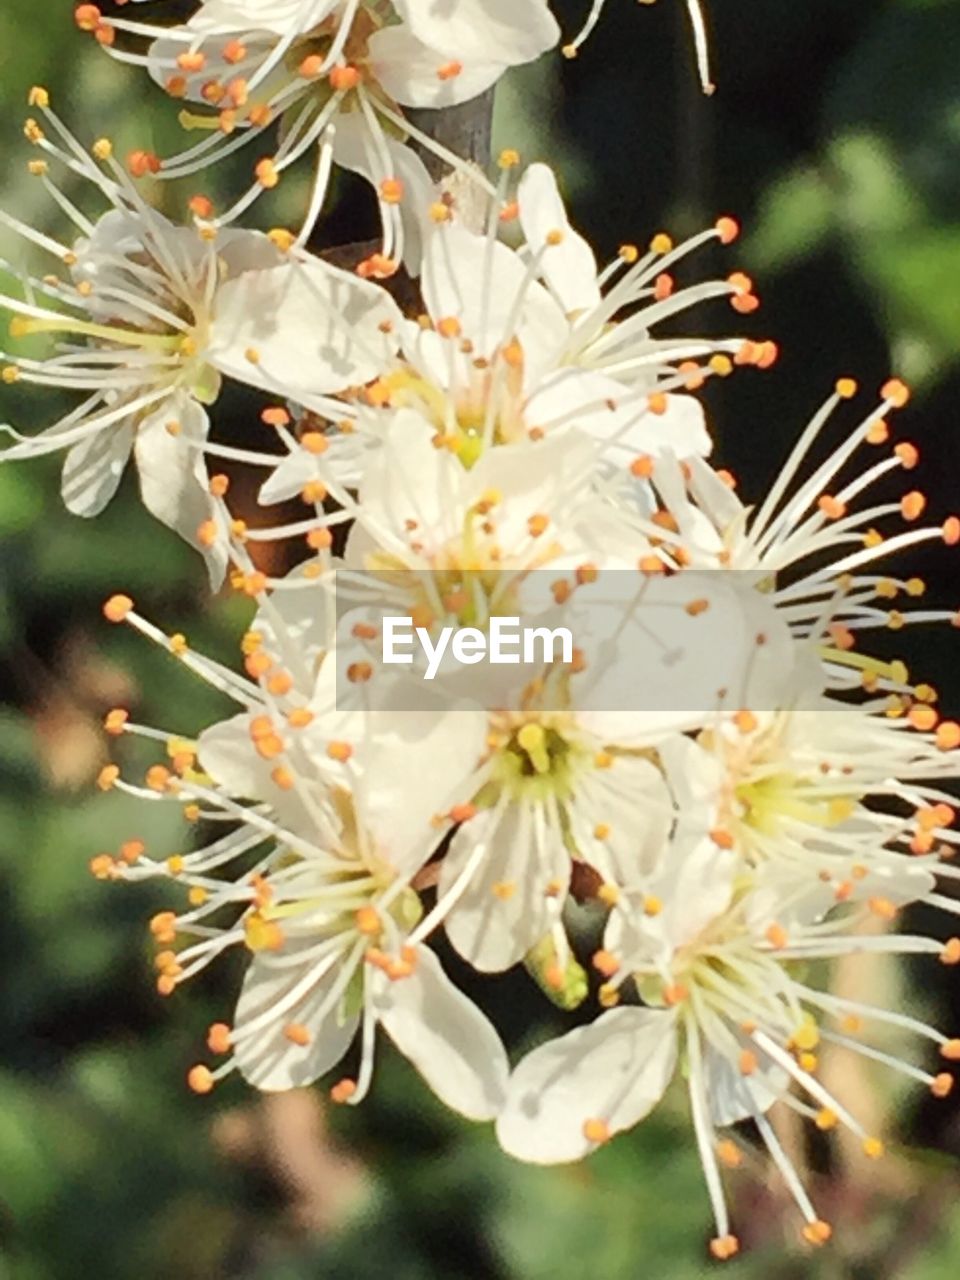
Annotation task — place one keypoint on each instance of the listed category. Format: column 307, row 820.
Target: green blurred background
column 835, row 138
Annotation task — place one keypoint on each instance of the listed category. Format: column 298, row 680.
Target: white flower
column 337, row 72
column 153, row 315
column 326, row 835
column 723, row 995
column 525, row 344
column 807, row 542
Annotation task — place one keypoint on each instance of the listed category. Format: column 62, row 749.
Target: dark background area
column 834, row 138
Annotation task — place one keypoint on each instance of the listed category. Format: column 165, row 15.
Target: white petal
column 446, row 1037
column 508, row 31
column 506, row 909
column 615, row 1070
column 173, row 475
column 479, row 284
column 408, row 70
column 92, row 469
column 268, row 1059
column 301, row 328
column 732, row 1096
column 569, row 267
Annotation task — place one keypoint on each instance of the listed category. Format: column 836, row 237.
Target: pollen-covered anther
column 817, row 1232
column 896, row 392
column 596, row 1131
column 661, row 243
column 747, row 1063
column 377, row 267
column 504, row 890
column 950, row 531
column 537, row 525
column 462, row 812
column 359, row 672
column 141, row 162
column 449, row 327
column 873, row 1148
column 508, row 158
column 825, row 1120
column 200, row 1079
column 117, row 608
column 950, row 954
column 368, row 920
column 339, row 751
column 729, row 1154
column 608, row 894
column 87, row 17
column 297, row 1034
column 724, row 1247
column 883, row 908
column 343, row 1091
column 343, row 79
column 878, row 432
column 722, row 838
column 605, row 963
column 942, row 1085
column 912, row 505
column 265, row 172
column 777, row 936
column 219, row 1038
column 846, row 388
column 391, row 190
column 727, row 229
column 675, row 993
column 449, row 70
column 831, row 507
column 947, row 735
column 103, row 867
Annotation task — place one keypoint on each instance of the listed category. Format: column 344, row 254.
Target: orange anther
column 748, row 1062
column 341, row 751
column 657, row 403
column 343, row 79
column 951, row 531
column 343, row 1091
column 942, row 1084
column 275, row 416
column 537, row 525
column 449, row 70
column 87, row 17
column 922, row 717
column 642, row 467
column 107, row 776
column 846, row 388
column 218, row 1038
column 727, row 229
column 948, row 735
column 817, row 1232
column 297, row 1034
column 605, row 963
column 115, row 720
column 724, row 1247
column 200, row 1079
column 140, row 163
column 311, row 66
column 132, row 850
column 201, row 205
column 912, row 505
column 391, row 190
column 117, row 608
column 449, row 327
column 102, row 867
column 897, row 392
column 234, row 51
column 368, row 920
column 359, row 672
column 950, row 955
column 265, row 172
column 597, row 1131
column 462, row 812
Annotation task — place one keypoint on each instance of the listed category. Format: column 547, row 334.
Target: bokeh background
column 835, row 137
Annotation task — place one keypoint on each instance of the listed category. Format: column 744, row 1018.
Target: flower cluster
column 717, row 787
